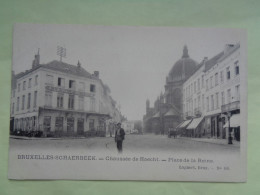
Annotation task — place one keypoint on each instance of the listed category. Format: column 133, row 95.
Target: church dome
column 183, row 68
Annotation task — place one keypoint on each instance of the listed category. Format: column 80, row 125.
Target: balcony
column 231, row 106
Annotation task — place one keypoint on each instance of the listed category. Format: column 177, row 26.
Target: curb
column 231, row 145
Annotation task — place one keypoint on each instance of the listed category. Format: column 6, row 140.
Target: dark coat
column 122, row 135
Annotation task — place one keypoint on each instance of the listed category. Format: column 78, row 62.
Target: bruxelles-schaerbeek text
column 186, row 163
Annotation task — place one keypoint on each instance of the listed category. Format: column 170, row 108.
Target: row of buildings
column 200, row 99
column 61, row 99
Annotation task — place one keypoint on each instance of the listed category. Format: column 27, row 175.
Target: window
column 191, row 88
column 24, row 85
column 198, row 84
column 92, row 104
column 30, row 83
column 222, row 97
column 19, row 87
column 13, row 108
column 207, row 104
column 35, row 99
column 195, row 104
column 221, row 77
column 29, row 101
column 216, row 79
column 48, row 99
column 212, row 102
column 211, row 82
column 228, row 96
column 228, row 73
column 91, row 124
column 238, row 92
column 59, row 124
column 217, row 105
column 17, row 105
column 199, row 102
column 71, row 84
column 92, row 88
column 207, row 84
column 195, row 87
column 71, row 102
column 202, row 80
column 202, row 102
column 60, row 100
column 49, row 79
column 61, row 82
column 36, row 80
column 236, row 68
column 81, row 103
column 23, row 101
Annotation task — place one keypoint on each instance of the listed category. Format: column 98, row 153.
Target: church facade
column 167, row 110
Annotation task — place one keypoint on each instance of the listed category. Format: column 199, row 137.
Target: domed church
column 167, row 110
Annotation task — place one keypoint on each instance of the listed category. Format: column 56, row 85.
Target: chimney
column 205, row 60
column 228, row 47
column 79, row 64
column 96, row 74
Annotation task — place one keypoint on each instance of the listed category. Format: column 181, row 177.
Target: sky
column 133, row 61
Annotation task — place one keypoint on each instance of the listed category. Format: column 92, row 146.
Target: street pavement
column 132, row 143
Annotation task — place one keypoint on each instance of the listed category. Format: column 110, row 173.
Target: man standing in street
column 119, row 137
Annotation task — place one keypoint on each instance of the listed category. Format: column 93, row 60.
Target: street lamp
column 229, row 130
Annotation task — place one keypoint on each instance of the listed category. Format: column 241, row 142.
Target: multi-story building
column 211, row 93
column 60, row 99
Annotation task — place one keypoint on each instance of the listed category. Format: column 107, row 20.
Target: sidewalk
column 40, row 138
column 213, row 141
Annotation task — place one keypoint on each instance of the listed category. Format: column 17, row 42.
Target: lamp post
column 229, row 130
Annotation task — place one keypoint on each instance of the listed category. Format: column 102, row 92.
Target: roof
column 195, row 122
column 171, row 112
column 156, row 115
column 211, row 62
column 221, row 56
column 67, row 68
column 62, row 67
column 183, row 67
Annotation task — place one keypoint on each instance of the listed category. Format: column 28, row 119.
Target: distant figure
column 119, row 137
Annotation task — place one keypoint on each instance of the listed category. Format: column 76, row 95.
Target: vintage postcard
column 128, row 103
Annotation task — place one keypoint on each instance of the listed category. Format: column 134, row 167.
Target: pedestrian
column 119, row 137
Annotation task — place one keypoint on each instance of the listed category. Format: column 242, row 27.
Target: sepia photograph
column 128, row 103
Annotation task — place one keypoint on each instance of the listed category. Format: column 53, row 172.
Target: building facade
column 60, row 99
column 168, row 108
column 212, row 96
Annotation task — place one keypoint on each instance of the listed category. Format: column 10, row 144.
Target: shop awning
column 195, row 122
column 185, row 123
column 234, row 121
column 178, row 126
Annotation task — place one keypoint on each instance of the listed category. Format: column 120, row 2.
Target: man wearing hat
column 119, row 137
